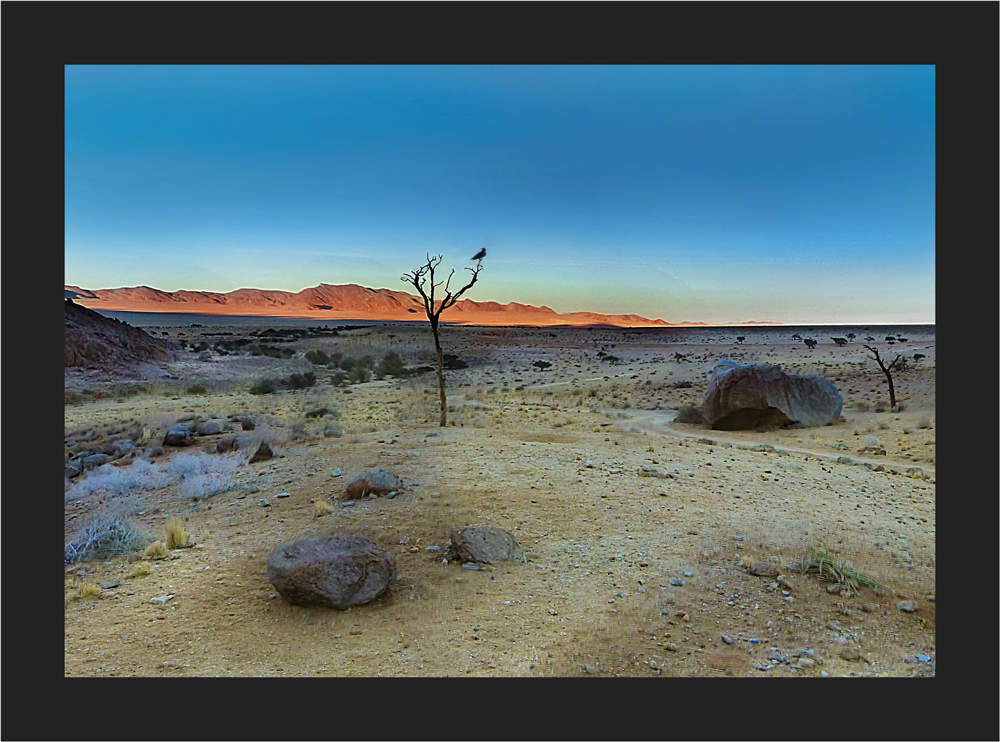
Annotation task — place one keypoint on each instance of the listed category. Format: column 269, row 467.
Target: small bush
column 317, row 357
column 108, row 534
column 683, row 384
column 359, row 374
column 264, row 386
column 301, row 381
column 322, row 508
column 390, row 365
column 197, row 389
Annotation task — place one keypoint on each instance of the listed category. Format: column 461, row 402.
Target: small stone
column 552, row 612
column 335, row 473
column 907, row 606
column 677, row 583
column 109, row 585
column 689, row 574
column 834, row 588
column 806, row 662
column 284, row 494
column 784, row 582
column 726, row 639
column 671, row 647
column 589, row 465
column 589, row 668
column 433, row 548
column 265, row 503
column 347, row 504
column 471, row 566
column 851, row 654
column 161, row 600
column 392, row 494
column 835, row 626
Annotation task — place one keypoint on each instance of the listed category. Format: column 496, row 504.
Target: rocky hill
column 92, row 339
column 331, row 302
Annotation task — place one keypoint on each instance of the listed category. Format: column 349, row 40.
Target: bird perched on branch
column 479, row 255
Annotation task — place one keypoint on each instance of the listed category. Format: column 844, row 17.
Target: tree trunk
column 444, row 402
column 892, row 390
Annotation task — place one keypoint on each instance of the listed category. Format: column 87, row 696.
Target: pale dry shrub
column 176, row 536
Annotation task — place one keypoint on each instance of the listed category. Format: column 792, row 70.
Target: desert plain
column 645, row 536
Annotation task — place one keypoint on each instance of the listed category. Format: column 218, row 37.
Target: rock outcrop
column 334, row 572
column 91, row 339
column 746, row 397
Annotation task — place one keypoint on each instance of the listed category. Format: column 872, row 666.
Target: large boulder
column 746, row 397
column 333, row 572
column 486, row 544
column 376, row 481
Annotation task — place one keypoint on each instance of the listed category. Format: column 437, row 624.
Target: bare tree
column 887, row 370
column 422, row 279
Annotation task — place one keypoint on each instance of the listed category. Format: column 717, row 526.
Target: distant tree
column 541, row 365
column 740, row 339
column 840, row 341
column 898, row 362
column 851, row 336
column 796, row 337
column 810, row 343
column 422, row 279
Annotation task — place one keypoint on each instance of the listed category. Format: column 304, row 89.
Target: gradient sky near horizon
column 801, row 194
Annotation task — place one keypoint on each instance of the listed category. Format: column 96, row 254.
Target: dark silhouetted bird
column 479, row 255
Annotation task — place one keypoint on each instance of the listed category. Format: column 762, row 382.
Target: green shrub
column 264, row 386
column 359, row 374
column 390, row 365
column 317, row 357
column 197, row 389
column 301, row 381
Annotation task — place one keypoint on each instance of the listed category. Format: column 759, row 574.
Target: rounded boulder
column 333, row 572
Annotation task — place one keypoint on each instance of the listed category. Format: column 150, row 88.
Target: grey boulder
column 178, row 435
column 485, row 544
column 334, row 572
column 746, row 397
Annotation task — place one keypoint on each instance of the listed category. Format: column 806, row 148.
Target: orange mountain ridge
column 327, row 302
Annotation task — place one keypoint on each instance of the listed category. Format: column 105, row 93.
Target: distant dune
column 349, row 301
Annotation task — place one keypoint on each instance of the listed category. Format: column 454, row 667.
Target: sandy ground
column 555, row 457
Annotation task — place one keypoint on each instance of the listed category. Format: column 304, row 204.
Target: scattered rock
column 487, row 544
column 335, row 473
column 95, row 460
column 263, row 453
column 336, row 571
column 109, row 585
column 851, row 654
column 225, row 445
column 764, row 569
column 209, row 427
column 178, row 435
column 726, row 639
column 377, row 481
column 907, row 606
column 161, row 600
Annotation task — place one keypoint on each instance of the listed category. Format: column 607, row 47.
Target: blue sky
column 803, row 194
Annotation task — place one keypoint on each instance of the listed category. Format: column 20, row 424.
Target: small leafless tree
column 422, row 279
column 898, row 361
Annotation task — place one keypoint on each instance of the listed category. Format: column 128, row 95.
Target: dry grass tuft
column 155, row 551
column 144, row 569
column 88, row 591
column 823, row 562
column 176, row 536
column 322, row 508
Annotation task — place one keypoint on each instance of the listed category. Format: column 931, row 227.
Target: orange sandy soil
column 604, row 543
